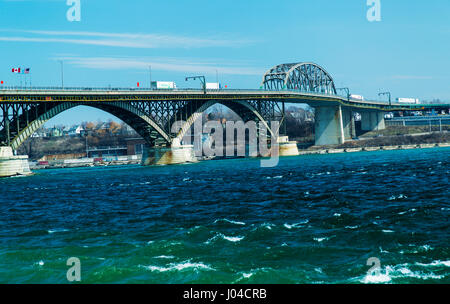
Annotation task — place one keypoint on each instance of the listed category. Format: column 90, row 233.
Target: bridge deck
column 126, row 94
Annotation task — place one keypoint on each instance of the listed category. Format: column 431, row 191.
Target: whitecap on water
column 57, row 230
column 318, row 269
column 40, row 263
column 274, row 177
column 233, row 239
column 398, row 197
column 180, row 266
column 387, row 231
column 164, row 257
column 410, row 210
column 426, row 248
column 268, row 226
column 383, row 251
column 399, row 271
column 229, row 221
column 351, row 227
column 435, row 263
column 376, row 278
column 296, row 225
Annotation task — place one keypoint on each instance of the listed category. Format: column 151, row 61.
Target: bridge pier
column 176, row 154
column 11, row 165
column 329, row 126
column 348, row 120
column 372, row 121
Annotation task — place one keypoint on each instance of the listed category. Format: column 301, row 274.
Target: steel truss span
column 302, row 76
column 152, row 119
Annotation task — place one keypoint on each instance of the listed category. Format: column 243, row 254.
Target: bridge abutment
column 11, row 165
column 372, row 121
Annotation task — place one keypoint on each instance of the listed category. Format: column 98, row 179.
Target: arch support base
column 286, row 147
column 11, row 165
column 173, row 155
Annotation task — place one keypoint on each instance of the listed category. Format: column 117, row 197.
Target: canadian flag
column 16, row 70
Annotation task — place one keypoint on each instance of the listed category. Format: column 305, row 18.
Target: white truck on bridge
column 167, row 85
column 358, row 97
column 212, row 86
column 408, row 100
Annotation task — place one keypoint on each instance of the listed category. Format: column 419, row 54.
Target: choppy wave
column 435, row 263
column 180, row 267
column 57, row 230
column 402, row 271
column 232, row 239
column 296, row 225
column 229, row 221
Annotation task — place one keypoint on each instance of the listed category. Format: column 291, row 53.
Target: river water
column 311, row 219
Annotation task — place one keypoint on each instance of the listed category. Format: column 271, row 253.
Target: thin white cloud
column 128, row 40
column 410, row 77
column 164, row 64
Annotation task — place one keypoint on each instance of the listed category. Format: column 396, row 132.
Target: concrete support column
column 348, row 123
column 372, row 121
column 329, row 129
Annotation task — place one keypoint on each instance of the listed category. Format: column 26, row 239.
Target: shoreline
column 371, row 149
column 301, row 152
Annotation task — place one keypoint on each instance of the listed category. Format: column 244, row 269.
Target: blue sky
column 406, row 53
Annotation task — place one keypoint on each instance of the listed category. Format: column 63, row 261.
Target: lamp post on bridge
column 386, row 93
column 202, row 80
column 62, row 74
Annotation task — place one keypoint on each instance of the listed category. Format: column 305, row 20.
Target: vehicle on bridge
column 358, row 97
column 212, row 86
column 161, row 85
column 408, row 100
column 389, row 115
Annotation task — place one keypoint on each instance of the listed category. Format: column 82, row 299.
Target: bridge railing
column 122, row 89
column 22, row 89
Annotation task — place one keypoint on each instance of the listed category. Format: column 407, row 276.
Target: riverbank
column 86, row 162
column 135, row 159
column 315, row 150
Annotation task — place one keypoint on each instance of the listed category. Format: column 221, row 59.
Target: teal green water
column 311, row 219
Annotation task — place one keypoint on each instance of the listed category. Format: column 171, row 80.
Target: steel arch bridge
column 152, row 113
column 302, row 76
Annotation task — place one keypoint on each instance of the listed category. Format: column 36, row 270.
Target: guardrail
column 88, row 89
column 19, row 89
